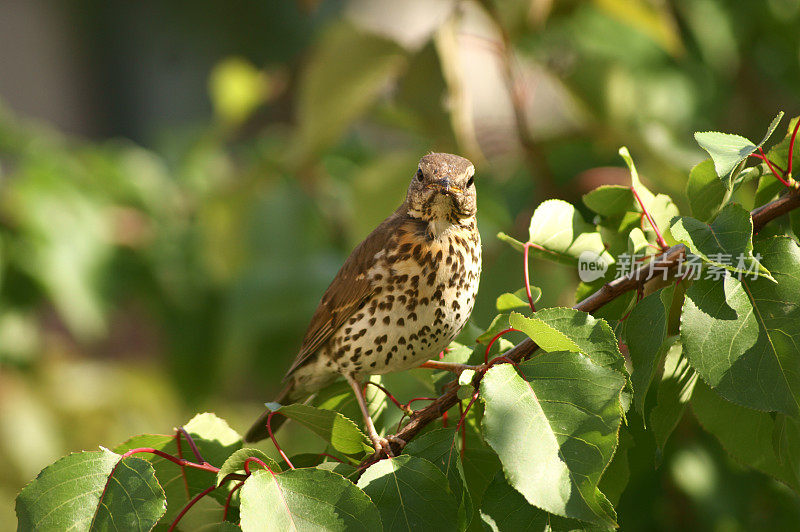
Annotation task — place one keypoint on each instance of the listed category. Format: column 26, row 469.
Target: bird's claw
column 384, row 445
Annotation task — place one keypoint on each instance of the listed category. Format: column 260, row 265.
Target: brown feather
column 348, row 290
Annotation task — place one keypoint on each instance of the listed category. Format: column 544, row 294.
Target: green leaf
column 617, row 474
column 344, row 75
column 499, row 324
column 726, row 243
column 465, row 389
column 411, row 494
column 480, row 464
column 305, row 499
column 518, row 299
column 644, row 193
column 706, row 193
column 236, row 89
column 350, row 472
column 638, row 243
column 554, row 428
column 749, row 436
column 511, row 241
column 728, row 151
column 215, row 440
column 646, row 334
column 661, row 207
column 562, row 235
column 567, row 329
column 505, row 509
column 439, row 447
column 779, row 153
column 742, row 335
column 608, row 200
column 92, row 491
column 341, row 432
column 235, row 463
column 663, row 210
column 674, row 391
column 339, row 396
column 219, row 439
column 615, row 229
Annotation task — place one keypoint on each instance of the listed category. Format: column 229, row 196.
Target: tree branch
column 610, row 291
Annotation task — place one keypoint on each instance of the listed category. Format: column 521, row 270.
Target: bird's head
column 442, row 189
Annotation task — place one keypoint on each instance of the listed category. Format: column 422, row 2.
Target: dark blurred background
column 179, row 181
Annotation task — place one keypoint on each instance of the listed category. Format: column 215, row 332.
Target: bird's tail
column 259, row 429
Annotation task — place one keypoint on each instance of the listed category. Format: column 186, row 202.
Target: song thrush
column 403, row 294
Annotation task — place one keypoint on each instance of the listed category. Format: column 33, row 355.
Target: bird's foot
column 382, row 444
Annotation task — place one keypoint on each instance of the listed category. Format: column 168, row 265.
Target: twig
column 493, row 340
column 389, row 395
column 764, row 158
column 192, row 445
column 180, row 461
column 275, row 442
column 189, row 506
column 773, row 169
column 660, row 239
column 259, row 462
column 183, row 469
column 228, row 499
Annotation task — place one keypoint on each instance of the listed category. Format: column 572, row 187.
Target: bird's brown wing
column 349, row 289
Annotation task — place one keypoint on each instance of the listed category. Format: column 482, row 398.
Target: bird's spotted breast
column 424, row 292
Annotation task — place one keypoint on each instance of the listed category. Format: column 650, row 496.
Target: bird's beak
column 445, row 187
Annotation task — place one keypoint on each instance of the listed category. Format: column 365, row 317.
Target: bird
column 402, row 295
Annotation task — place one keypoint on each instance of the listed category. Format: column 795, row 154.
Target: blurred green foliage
column 139, row 284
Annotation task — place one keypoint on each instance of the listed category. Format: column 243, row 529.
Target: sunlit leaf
column 674, row 392
column 518, row 299
column 235, row 463
column 554, row 426
column 342, row 433
column 741, row 335
column 566, row 329
column 215, row 440
column 726, row 243
column 411, row 494
column 609, row 200
column 92, row 491
column 705, row 191
column 561, row 234
column 305, row 499
column 728, row 151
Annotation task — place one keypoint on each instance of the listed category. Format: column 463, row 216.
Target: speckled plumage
column 403, row 294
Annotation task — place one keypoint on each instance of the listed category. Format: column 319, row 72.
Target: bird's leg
column 380, row 443
column 447, row 366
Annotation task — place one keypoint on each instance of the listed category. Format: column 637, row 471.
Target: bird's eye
column 419, row 175
column 471, row 181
